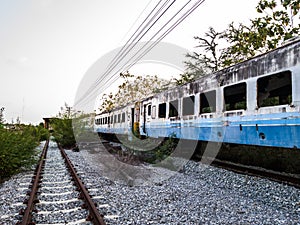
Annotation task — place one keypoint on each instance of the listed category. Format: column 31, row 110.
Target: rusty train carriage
column 256, row 102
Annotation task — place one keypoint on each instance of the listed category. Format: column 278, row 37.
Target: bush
column 63, row 132
column 17, row 148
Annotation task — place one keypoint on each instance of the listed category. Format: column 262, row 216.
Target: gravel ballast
column 198, row 194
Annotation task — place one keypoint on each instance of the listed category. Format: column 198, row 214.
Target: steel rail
column 289, row 179
column 27, row 215
column 94, row 215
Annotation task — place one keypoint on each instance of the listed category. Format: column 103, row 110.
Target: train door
column 132, row 119
column 144, row 119
column 135, row 119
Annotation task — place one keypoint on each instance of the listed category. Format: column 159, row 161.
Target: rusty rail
column 289, row 179
column 94, row 215
column 27, row 214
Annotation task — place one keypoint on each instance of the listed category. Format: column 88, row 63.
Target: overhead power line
column 151, row 18
column 135, row 38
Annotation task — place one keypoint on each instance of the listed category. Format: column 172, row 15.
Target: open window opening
column 173, row 108
column 188, row 105
column 235, row 97
column 208, row 102
column 149, row 110
column 162, row 110
column 275, row 89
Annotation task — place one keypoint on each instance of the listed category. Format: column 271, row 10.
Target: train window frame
column 174, row 108
column 162, row 110
column 186, row 109
column 206, row 98
column 153, row 112
column 275, row 97
column 235, row 105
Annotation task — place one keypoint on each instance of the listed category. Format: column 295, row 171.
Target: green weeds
column 17, row 148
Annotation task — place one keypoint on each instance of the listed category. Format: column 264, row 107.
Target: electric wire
column 134, row 42
column 171, row 28
column 98, row 80
column 196, row 5
column 119, row 54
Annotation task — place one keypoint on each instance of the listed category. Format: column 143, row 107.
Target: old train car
column 256, row 102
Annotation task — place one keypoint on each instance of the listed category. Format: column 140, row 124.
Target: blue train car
column 256, row 102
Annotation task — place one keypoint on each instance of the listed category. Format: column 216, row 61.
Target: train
column 255, row 102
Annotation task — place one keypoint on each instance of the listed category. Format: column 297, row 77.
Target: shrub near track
column 63, row 132
column 17, row 148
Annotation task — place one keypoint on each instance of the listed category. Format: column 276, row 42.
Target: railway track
column 57, row 195
column 289, row 179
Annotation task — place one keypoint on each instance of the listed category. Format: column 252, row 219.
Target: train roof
column 283, row 57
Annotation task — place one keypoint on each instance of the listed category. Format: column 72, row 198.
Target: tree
column 209, row 61
column 133, row 88
column 276, row 25
column 278, row 21
column 1, row 115
column 62, row 127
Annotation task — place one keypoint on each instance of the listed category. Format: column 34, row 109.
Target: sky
column 47, row 46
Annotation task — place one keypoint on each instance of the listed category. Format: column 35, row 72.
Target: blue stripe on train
column 278, row 130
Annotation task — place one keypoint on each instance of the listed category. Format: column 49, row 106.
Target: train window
column 119, row 118
column 208, row 102
column 115, row 119
column 123, row 117
column 149, row 110
column 162, row 110
column 173, row 108
column 101, row 121
column 108, row 120
column 153, row 112
column 111, row 119
column 188, row 105
column 275, row 89
column 235, row 97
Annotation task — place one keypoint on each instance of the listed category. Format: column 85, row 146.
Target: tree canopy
column 277, row 22
column 133, row 88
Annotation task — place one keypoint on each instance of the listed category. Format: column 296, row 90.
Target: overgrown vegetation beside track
column 17, row 148
column 62, row 127
column 63, row 132
column 271, row 158
column 150, row 150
